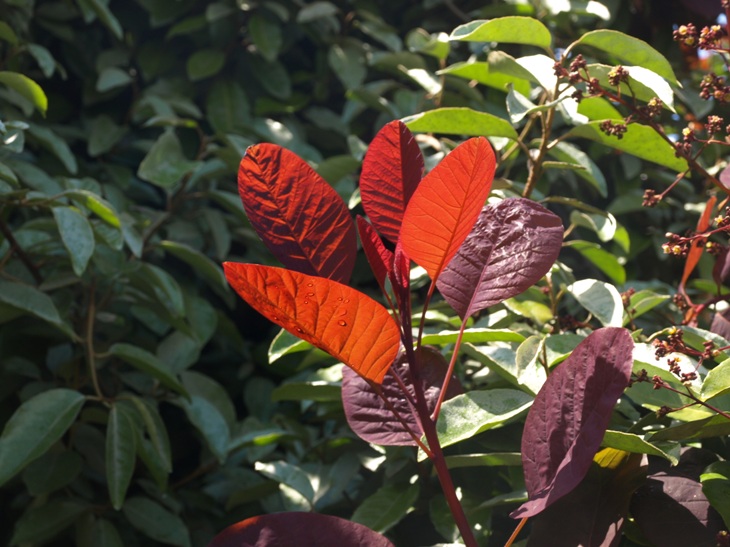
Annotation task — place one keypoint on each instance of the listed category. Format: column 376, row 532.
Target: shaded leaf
column 345, row 323
column 379, row 256
column 348, row 64
column 630, row 442
column 77, row 236
column 597, row 506
column 200, row 263
column 386, row 507
column 56, row 146
column 40, row 524
column 165, row 165
column 120, row 454
column 30, row 300
column 266, row 36
column 511, row 246
column 601, row 258
column 205, row 63
column 391, row 171
column 147, row 362
column 300, row 217
column 52, row 471
column 35, row 426
column 298, row 529
column 460, row 121
column 156, row 522
column 506, row 30
column 570, row 415
column 446, row 205
column 210, row 423
column 373, row 420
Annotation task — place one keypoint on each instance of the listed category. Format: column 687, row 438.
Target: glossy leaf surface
column 300, row 217
column 512, row 245
column 461, row 121
column 570, row 415
column 509, row 30
column 446, row 204
column 298, row 529
column 345, row 323
column 391, row 171
column 373, row 421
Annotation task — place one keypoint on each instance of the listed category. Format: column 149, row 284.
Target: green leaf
column 205, row 63
column 36, row 426
column 155, row 428
column 290, row 475
column 316, row 10
column 203, row 386
column 471, row 413
column 104, row 134
column 273, row 76
column 52, row 471
column 106, row 17
column 492, row 459
column 266, row 36
column 460, row 121
column 201, row 264
column 629, row 50
column 716, row 487
column 43, row 57
column 210, row 423
column 570, row 153
column 121, row 448
column 639, row 140
column 485, row 74
column 147, row 362
column 473, row 335
column 227, row 108
column 77, row 236
column 156, row 522
column 601, row 299
column 30, row 300
column 602, row 259
column 598, row 108
column 506, row 30
column 104, row 534
column 8, row 34
column 348, row 64
column 165, row 289
column 39, row 524
column 631, row 442
column 387, row 506
column 717, row 381
column 97, row 205
column 643, row 301
column 165, row 165
column 26, row 88
column 56, row 145
column 643, row 84
column 435, row 45
column 285, row 343
column 112, row 77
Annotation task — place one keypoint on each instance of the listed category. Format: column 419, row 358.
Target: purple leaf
column 567, row 421
column 721, row 270
column 670, row 509
column 597, row 506
column 512, row 245
column 298, row 529
column 373, row 421
column 721, row 324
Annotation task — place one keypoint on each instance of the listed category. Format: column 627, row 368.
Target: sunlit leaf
column 601, row 299
column 570, row 415
column 27, row 88
column 379, row 256
column 716, row 486
column 391, row 171
column 446, row 205
column 509, row 30
column 511, row 246
column 460, row 121
column 346, row 323
column 300, row 217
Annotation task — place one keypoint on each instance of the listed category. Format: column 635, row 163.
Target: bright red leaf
column 300, row 217
column 695, row 252
column 446, row 204
column 346, row 323
column 298, row 529
column 512, row 245
column 391, row 171
column 566, row 423
column 379, row 256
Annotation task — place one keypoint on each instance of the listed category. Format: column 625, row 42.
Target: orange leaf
column 346, row 323
column 446, row 205
column 695, row 252
column 300, row 217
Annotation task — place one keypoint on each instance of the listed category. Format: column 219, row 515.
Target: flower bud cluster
column 610, row 127
column 708, row 38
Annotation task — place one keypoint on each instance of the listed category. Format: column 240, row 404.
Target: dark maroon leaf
column 300, row 217
column 597, row 506
column 391, row 170
column 372, row 420
column 401, row 281
column 379, row 257
column 572, row 410
column 283, row 529
column 722, row 267
column 721, row 324
column 670, row 509
column 512, row 245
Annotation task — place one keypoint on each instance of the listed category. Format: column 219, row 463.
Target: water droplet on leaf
column 342, row 323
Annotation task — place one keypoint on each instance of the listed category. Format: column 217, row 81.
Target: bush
column 144, row 403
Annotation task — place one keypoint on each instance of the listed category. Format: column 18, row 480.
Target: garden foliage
column 502, row 301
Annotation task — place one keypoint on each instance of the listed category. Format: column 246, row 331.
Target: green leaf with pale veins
column 120, row 454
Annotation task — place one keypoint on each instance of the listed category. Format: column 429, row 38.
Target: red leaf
column 300, row 217
column 346, row 323
column 512, row 245
column 391, row 171
column 298, row 529
column 570, row 415
column 379, row 257
column 373, row 421
column 698, row 247
column 446, row 204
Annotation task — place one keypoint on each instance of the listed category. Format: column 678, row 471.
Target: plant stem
column 89, row 342
column 517, row 531
column 19, row 252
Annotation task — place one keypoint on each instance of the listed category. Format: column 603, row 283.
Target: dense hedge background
column 118, row 203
